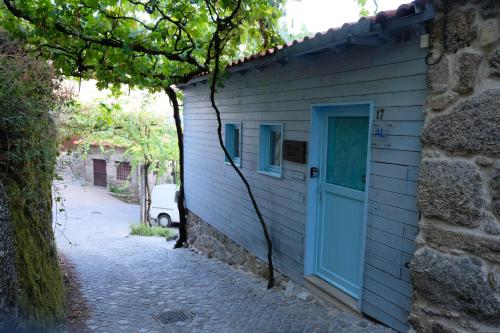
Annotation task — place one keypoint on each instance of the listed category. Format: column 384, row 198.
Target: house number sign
column 380, row 135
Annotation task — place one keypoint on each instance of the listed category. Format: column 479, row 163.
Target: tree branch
column 109, row 42
column 227, row 27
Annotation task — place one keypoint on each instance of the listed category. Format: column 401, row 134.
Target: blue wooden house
column 327, row 131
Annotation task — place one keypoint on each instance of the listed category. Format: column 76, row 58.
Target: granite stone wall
column 456, row 268
column 8, row 273
column 214, row 244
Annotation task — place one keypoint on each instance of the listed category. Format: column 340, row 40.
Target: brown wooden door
column 100, row 173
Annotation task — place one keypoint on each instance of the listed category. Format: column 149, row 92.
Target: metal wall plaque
column 295, row 151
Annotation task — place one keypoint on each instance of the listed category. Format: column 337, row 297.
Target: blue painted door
column 341, row 206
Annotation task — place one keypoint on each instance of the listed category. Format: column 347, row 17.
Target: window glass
column 123, row 170
column 347, row 151
column 236, row 142
column 232, row 141
column 270, row 146
column 275, row 144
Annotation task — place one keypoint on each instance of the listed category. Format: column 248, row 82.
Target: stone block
column 466, row 72
column 495, row 206
column 440, row 102
column 456, row 284
column 495, row 189
column 215, row 245
column 495, row 182
column 423, row 322
column 494, row 278
column 438, row 76
column 485, row 246
column 489, row 33
column 484, row 161
column 436, row 31
column 489, row 8
column 451, row 191
column 494, row 63
column 491, row 226
column 461, row 29
column 456, row 131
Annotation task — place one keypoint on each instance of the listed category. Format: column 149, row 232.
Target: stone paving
column 128, row 279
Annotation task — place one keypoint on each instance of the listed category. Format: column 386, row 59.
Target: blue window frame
column 232, row 141
column 271, row 149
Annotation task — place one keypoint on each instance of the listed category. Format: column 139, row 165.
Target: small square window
column 270, row 149
column 232, row 141
column 123, row 170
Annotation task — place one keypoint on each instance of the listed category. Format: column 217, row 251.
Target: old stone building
column 111, row 168
column 456, row 268
column 108, row 168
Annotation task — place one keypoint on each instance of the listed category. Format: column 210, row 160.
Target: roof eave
column 364, row 32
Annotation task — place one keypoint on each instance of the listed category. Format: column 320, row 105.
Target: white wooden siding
column 393, row 77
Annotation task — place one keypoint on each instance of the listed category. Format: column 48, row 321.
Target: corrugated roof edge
column 373, row 30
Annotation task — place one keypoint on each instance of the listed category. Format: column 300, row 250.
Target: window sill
column 238, row 164
column 271, row 173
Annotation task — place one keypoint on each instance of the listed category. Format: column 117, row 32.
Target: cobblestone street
column 127, row 280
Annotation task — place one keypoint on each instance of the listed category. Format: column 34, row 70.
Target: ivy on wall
column 28, row 151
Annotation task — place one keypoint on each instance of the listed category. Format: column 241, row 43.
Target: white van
column 164, row 205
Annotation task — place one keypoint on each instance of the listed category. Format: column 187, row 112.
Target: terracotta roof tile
column 381, row 18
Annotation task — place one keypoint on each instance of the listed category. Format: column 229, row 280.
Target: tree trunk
column 142, row 195
column 270, row 281
column 174, row 172
column 182, row 240
column 147, row 195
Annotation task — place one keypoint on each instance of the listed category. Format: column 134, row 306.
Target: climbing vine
column 153, row 44
column 28, row 151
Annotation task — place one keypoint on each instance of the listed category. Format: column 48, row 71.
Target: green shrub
column 28, row 151
column 119, row 189
column 144, row 230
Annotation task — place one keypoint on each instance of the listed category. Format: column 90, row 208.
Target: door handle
column 314, row 172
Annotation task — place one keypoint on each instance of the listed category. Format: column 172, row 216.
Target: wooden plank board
column 397, row 171
column 388, row 280
column 325, row 65
column 386, row 306
column 374, row 311
column 384, row 251
column 387, row 293
column 393, row 185
column 394, row 213
column 393, row 78
column 390, row 85
column 383, row 264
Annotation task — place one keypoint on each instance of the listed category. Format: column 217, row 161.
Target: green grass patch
column 144, row 230
column 117, row 189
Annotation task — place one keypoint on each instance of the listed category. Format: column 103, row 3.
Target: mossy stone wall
column 28, row 151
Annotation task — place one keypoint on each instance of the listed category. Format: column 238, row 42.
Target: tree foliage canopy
column 151, row 44
column 147, row 137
